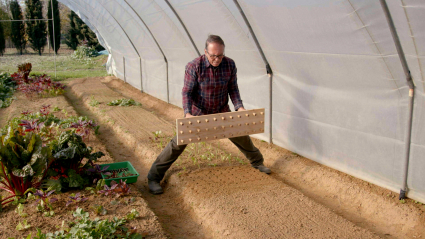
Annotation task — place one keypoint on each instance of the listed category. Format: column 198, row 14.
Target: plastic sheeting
column 339, row 93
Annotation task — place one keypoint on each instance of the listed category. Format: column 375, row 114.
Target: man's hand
column 241, row 109
column 188, row 115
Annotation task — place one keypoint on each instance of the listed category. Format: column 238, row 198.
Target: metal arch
column 268, row 68
column 411, row 84
column 96, row 30
column 88, row 19
column 137, row 52
column 184, row 26
column 135, row 49
column 156, row 42
column 54, row 36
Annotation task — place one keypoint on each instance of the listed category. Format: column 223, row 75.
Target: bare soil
column 212, row 192
column 362, row 203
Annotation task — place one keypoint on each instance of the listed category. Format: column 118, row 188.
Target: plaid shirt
column 207, row 89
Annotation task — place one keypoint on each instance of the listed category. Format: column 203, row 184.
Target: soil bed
column 147, row 223
column 211, row 191
column 360, row 204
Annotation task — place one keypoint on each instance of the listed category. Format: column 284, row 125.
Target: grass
column 66, row 67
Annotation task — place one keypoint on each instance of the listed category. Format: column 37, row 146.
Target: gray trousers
column 172, row 151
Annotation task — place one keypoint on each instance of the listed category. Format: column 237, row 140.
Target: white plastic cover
column 339, row 92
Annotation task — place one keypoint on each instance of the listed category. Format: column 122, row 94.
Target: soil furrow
column 120, row 140
column 242, row 203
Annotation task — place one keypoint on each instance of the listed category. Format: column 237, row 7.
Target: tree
column 36, row 30
column 92, row 40
column 64, row 12
column 2, row 40
column 18, row 27
column 86, row 34
column 71, row 39
column 4, row 15
column 56, row 20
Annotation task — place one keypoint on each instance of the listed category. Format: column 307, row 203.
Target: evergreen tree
column 2, row 40
column 56, row 20
column 18, row 28
column 86, row 34
column 71, row 39
column 5, row 16
column 36, row 30
column 92, row 40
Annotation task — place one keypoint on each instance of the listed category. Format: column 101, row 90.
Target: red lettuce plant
column 76, row 198
column 40, row 85
column 84, row 127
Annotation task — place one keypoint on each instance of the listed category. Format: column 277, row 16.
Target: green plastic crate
column 123, row 167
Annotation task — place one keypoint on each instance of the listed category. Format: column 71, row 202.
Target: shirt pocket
column 205, row 83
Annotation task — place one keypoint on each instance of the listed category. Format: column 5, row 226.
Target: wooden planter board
column 219, row 126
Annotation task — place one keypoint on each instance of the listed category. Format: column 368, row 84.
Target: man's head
column 214, row 49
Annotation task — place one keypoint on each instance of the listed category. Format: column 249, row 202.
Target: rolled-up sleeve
column 234, row 90
column 190, row 77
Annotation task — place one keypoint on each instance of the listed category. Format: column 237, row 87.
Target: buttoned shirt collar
column 207, row 62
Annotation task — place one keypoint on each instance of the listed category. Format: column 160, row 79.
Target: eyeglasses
column 213, row 57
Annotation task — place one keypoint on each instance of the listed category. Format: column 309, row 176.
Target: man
column 209, row 81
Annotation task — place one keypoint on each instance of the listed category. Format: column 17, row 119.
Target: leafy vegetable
column 17, row 200
column 39, row 85
column 20, row 210
column 98, row 170
column 69, row 152
column 23, row 161
column 108, row 190
column 84, row 53
column 132, row 215
column 7, row 88
column 39, row 235
column 54, row 184
column 99, row 185
column 83, row 128
column 22, row 226
column 99, row 210
column 123, row 102
column 122, row 188
column 83, row 227
column 76, row 198
column 75, row 180
column 44, row 203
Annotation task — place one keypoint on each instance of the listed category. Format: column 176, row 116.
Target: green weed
column 93, row 102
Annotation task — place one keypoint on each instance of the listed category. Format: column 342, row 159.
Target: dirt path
column 240, row 202
column 203, row 199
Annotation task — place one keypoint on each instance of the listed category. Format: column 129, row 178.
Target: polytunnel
column 327, row 72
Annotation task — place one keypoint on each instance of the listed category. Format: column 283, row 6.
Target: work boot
column 263, row 169
column 154, row 187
